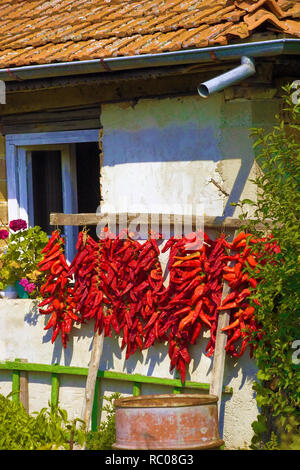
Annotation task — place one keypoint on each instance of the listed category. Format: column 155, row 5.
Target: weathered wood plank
column 92, row 377
column 145, row 220
column 216, row 385
column 24, row 397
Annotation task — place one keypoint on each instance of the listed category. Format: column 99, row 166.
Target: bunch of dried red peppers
column 118, row 282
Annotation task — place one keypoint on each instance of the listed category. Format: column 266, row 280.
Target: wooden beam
column 145, row 220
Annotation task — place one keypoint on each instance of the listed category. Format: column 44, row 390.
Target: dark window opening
column 47, row 187
column 88, row 180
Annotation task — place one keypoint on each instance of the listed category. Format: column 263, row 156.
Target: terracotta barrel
column 174, row 421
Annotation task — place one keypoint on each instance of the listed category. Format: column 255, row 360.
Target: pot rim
column 166, row 401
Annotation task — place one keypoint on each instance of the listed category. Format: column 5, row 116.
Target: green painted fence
column 57, row 370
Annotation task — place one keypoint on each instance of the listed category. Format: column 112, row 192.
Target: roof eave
column 269, row 48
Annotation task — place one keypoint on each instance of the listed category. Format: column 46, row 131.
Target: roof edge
column 213, row 54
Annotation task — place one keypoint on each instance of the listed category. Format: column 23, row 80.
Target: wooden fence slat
column 24, row 397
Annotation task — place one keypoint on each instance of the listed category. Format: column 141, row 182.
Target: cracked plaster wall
column 157, row 154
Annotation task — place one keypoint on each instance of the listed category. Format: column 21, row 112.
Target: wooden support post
column 216, row 385
column 20, row 385
column 92, row 377
column 24, row 398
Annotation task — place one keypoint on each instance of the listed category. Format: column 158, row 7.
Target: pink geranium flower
column 30, row 287
column 18, row 224
column 24, row 282
column 4, row 234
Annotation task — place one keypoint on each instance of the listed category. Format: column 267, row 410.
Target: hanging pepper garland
column 57, row 291
column 118, row 282
column 193, row 295
column 244, row 326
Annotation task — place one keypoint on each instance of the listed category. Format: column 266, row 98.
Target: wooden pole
column 216, row 385
column 24, row 398
column 92, row 377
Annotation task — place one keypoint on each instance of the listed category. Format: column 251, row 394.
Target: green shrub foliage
column 105, row 436
column 45, row 430
column 278, row 386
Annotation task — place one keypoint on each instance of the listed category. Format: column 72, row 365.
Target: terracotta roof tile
column 260, row 16
column 39, row 31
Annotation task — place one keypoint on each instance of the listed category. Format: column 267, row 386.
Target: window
column 53, row 172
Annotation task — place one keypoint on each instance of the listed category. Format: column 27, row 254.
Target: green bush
column 277, row 385
column 105, row 436
column 44, row 430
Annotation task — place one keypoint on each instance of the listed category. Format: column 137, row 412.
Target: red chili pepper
column 232, row 325
column 251, row 261
column 53, row 251
column 182, row 369
column 55, row 332
column 185, row 355
column 204, row 318
column 55, row 235
column 197, row 310
column 188, row 257
column 152, row 320
column 48, row 259
column 196, row 332
column 252, row 282
column 228, row 306
column 198, row 293
column 185, row 321
column 229, row 276
column 238, row 238
column 182, row 310
column 52, row 322
column 234, row 337
column 229, row 297
column 56, row 268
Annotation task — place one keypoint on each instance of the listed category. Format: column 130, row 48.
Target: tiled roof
column 41, row 31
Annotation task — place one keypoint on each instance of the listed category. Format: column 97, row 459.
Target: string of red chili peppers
column 243, row 324
column 118, row 281
column 193, row 295
column 124, row 276
column 131, row 277
column 57, row 292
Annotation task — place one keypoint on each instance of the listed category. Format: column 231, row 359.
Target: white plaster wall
column 160, row 155
column 22, row 336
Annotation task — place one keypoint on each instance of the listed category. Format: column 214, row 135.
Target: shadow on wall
column 179, row 131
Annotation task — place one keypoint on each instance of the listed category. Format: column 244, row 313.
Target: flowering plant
column 18, row 263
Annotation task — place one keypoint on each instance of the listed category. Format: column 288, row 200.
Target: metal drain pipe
column 243, row 71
